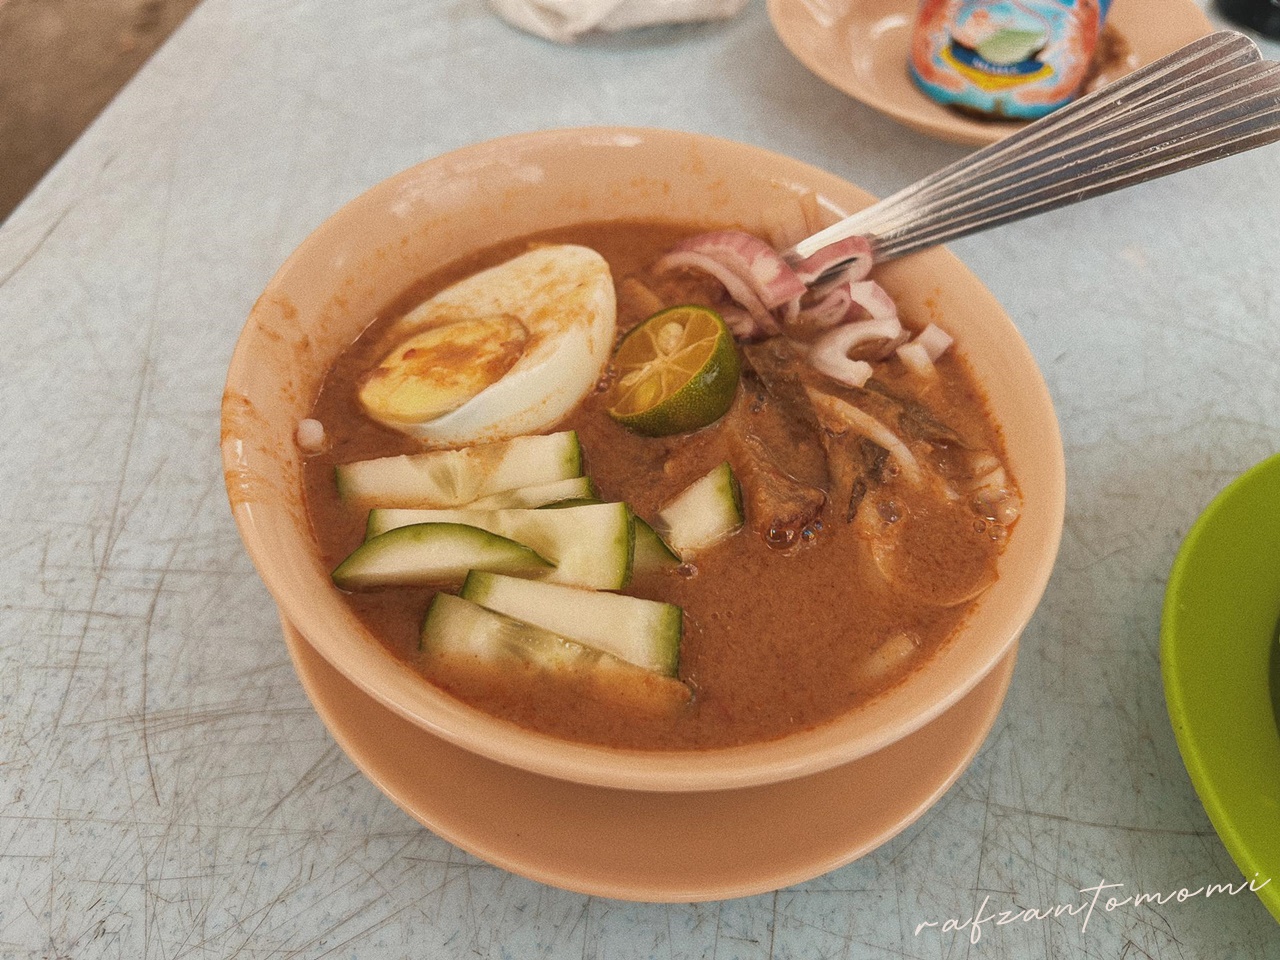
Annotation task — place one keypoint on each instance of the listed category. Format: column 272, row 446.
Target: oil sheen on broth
column 845, row 576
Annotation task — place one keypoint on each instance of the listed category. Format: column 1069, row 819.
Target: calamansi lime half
column 675, row 372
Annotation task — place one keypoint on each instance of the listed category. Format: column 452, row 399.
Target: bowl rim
column 397, row 686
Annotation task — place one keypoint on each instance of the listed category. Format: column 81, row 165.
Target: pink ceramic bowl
column 408, row 226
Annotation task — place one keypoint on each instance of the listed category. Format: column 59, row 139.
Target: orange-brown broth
column 773, row 641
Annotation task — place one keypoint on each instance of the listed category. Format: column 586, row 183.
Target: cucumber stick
column 642, row 632
column 651, row 552
column 703, row 514
column 538, row 495
column 457, row 632
column 433, row 553
column 457, row 627
column 590, row 545
column 449, row 478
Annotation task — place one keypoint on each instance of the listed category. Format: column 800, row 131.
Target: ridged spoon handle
column 1213, row 98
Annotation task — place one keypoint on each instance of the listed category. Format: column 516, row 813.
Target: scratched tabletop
column 166, row 788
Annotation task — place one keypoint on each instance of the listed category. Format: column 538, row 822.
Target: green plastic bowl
column 1220, row 665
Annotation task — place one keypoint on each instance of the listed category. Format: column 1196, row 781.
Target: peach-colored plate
column 860, row 47
column 651, row 846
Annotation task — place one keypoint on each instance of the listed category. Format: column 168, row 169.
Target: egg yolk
column 438, row 370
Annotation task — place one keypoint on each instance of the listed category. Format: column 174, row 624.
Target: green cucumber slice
column 573, row 489
column 651, row 551
column 433, row 553
column 460, row 633
column 643, row 632
column 449, row 478
column 589, row 545
column 703, row 514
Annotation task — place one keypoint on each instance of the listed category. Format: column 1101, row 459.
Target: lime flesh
column 676, row 372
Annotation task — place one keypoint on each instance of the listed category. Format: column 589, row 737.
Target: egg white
column 563, row 294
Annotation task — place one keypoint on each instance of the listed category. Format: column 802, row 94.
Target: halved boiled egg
column 505, row 352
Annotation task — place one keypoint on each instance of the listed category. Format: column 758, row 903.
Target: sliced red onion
column 734, row 284
column 855, row 249
column 934, row 340
column 830, row 310
column 741, row 323
column 751, row 259
column 842, row 369
column 830, row 353
column 790, row 311
column 872, row 298
column 837, row 304
column 916, row 359
column 855, row 272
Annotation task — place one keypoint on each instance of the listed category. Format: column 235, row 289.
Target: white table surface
column 166, row 789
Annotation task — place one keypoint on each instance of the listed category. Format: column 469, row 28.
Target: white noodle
column 868, row 426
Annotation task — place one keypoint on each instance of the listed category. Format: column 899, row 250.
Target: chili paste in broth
column 783, row 630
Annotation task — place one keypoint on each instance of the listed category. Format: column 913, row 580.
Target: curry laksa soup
column 651, row 486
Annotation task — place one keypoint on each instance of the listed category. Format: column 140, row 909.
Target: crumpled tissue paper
column 565, row 21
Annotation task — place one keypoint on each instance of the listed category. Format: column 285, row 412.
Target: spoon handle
column 1213, row 98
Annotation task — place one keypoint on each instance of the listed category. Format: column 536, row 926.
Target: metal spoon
column 1213, row 98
